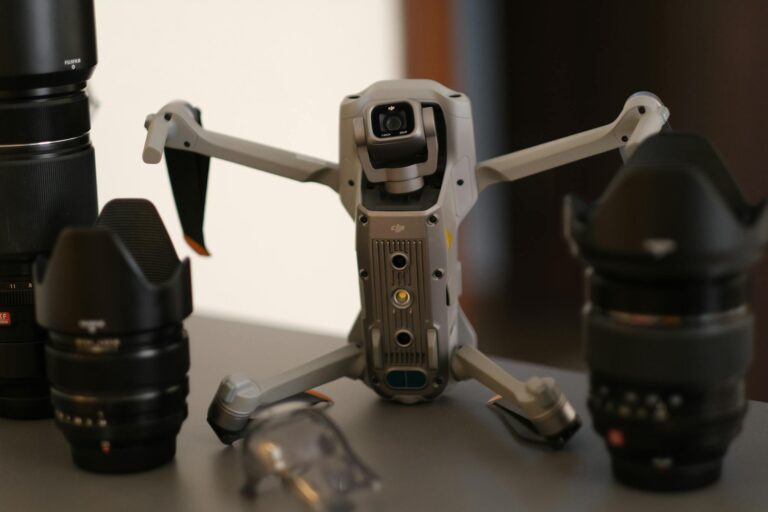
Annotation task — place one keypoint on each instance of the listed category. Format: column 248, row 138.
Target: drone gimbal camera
column 407, row 175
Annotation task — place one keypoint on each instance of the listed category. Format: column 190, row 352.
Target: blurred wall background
column 542, row 70
column 274, row 72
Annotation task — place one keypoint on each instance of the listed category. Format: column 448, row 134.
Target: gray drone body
column 407, row 221
column 407, row 175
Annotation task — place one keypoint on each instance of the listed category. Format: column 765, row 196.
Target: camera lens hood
column 121, row 276
column 673, row 210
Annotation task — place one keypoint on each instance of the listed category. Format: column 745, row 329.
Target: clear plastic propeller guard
column 299, row 444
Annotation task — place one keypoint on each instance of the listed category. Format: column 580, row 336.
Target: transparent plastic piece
column 301, row 446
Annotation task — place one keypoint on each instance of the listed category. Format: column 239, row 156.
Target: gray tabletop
column 452, row 454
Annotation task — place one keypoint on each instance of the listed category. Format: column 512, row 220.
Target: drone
column 407, row 175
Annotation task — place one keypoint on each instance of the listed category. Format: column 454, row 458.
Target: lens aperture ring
column 668, row 408
column 91, row 410
column 666, row 438
column 80, row 429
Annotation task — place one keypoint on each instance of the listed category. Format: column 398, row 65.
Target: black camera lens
column 393, row 123
column 47, row 172
column 667, row 324
column 113, row 298
column 392, row 119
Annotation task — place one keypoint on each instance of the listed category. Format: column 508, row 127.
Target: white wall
column 270, row 71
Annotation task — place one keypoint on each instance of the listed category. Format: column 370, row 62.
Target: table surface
column 451, row 454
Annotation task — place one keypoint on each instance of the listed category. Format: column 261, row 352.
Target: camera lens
column 667, row 325
column 392, row 119
column 47, row 172
column 113, row 298
column 393, row 123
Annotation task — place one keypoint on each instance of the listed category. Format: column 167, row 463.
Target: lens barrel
column 113, row 298
column 667, row 323
column 47, row 172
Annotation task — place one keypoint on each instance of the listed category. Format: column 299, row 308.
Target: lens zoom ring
column 704, row 353
column 121, row 371
column 26, row 122
column 40, row 197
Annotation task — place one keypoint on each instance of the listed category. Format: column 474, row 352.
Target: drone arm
column 239, row 396
column 642, row 116
column 538, row 401
column 174, row 126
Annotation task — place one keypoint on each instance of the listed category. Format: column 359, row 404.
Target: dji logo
column 397, row 228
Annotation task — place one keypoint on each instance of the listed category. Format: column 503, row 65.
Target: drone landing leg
column 537, row 405
column 239, row 396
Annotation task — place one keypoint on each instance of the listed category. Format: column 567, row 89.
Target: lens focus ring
column 42, row 196
column 121, row 370
column 722, row 349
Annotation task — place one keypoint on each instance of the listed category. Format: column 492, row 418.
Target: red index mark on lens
column 615, row 438
column 5, row 318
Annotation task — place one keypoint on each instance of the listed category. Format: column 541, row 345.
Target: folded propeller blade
column 188, row 172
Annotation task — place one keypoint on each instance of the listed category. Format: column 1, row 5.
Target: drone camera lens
column 393, row 119
column 394, row 122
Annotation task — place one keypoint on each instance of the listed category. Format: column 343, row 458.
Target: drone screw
column 351, row 183
column 641, row 110
column 167, row 117
column 432, row 219
column 363, row 220
column 364, row 274
column 437, row 274
column 460, row 182
column 186, row 144
column 624, row 138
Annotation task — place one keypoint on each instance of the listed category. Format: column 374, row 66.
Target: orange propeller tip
column 196, row 246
